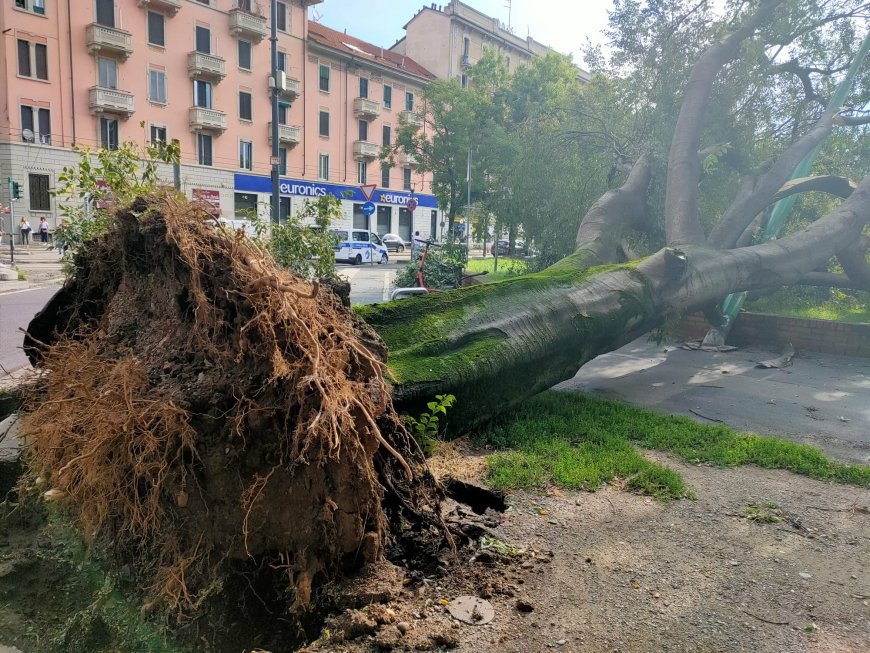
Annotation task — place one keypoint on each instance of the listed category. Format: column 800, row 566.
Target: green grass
column 507, row 268
column 852, row 307
column 580, row 442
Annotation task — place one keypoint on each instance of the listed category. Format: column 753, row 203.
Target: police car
column 359, row 246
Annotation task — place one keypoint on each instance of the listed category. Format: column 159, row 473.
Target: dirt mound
column 202, row 411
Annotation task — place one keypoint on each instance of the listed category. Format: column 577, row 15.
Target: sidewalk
column 39, row 265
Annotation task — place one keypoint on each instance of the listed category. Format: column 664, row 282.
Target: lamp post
column 276, row 154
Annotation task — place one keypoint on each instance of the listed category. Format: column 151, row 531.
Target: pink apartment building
column 101, row 72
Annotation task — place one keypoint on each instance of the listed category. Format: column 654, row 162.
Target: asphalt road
column 16, row 311
column 370, row 284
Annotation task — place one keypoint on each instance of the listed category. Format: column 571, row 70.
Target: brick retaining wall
column 764, row 329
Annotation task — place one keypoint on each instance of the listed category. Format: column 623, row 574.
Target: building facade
column 96, row 73
column 447, row 40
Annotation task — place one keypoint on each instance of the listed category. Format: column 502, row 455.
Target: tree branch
column 681, row 200
column 831, row 280
column 743, row 210
column 854, row 261
column 852, row 121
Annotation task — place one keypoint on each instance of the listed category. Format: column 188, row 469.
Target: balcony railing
column 200, row 64
column 246, row 22
column 406, row 160
column 365, row 150
column 110, row 100
column 207, row 119
column 466, row 61
column 411, row 117
column 287, row 134
column 366, row 109
column 109, row 40
column 292, row 89
column 171, row 7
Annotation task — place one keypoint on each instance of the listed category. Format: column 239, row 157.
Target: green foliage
column 442, row 268
column 297, row 245
column 425, row 430
column 833, row 304
column 765, row 512
column 21, row 275
column 101, row 179
column 507, row 268
column 580, row 441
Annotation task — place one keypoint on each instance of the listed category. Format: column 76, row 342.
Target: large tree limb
column 743, row 210
column 681, row 200
column 831, row 280
column 854, row 261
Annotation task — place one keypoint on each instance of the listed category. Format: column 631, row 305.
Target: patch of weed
column 579, row 441
column 765, row 512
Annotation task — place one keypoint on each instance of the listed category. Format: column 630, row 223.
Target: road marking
column 349, row 274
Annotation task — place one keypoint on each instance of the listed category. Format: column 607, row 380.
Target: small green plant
column 500, row 546
column 765, row 512
column 425, row 429
column 21, row 275
column 442, row 269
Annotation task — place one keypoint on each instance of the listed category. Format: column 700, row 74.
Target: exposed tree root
column 199, row 408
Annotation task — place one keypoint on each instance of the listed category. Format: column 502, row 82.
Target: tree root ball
column 201, row 409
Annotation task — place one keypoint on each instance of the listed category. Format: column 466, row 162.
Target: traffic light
column 16, row 190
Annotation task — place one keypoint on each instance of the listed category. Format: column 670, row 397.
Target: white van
column 359, row 246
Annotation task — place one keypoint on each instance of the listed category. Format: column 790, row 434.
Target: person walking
column 43, row 230
column 25, row 228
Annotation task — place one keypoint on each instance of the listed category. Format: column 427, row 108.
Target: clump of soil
column 206, row 417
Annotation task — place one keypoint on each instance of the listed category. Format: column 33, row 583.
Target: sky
column 564, row 25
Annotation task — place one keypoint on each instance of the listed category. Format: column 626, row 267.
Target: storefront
column 386, row 219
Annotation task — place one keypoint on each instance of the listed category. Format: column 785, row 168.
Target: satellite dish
column 28, row 135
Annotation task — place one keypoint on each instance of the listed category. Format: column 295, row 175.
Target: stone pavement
column 37, row 263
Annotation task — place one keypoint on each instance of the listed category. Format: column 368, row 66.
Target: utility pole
column 276, row 89
column 468, row 210
column 11, row 222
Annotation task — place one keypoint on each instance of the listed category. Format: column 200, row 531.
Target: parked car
column 503, row 246
column 394, row 242
column 358, row 246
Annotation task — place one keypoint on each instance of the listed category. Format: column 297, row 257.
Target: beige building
column 449, row 39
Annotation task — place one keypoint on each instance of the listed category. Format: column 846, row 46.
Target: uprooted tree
column 204, row 411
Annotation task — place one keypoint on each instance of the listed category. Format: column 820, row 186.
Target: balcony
column 364, row 150
column 204, row 65
column 411, row 118
column 406, row 160
column 247, row 24
column 366, row 109
column 110, row 100
column 202, row 119
column 466, row 61
column 288, row 88
column 171, row 7
column 108, row 40
column 287, row 134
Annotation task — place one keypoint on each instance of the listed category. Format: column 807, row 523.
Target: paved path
column 16, row 311
column 804, row 402
column 369, row 284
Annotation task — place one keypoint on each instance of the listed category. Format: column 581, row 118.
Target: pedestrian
column 25, row 228
column 43, row 230
column 416, row 243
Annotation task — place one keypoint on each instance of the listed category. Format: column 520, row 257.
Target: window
column 107, row 73
column 388, row 97
column 324, row 123
column 385, row 177
column 36, row 6
column 362, row 172
column 464, row 80
column 246, row 155
column 245, row 108
column 282, row 61
column 324, row 77
column 281, row 23
column 387, row 135
column 35, row 125
column 323, row 166
column 106, row 12
column 282, row 154
column 203, row 39
column 40, row 195
column 157, row 86
column 363, row 87
column 156, row 29
column 283, row 112
column 409, row 101
column 158, row 135
column 363, row 130
column 203, row 149
column 406, row 178
column 507, row 62
column 202, row 94
column 32, row 59
column 244, row 54
column 109, row 133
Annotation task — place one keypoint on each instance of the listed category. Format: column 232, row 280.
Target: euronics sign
column 257, row 184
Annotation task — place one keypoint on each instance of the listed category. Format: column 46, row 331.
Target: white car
column 359, row 246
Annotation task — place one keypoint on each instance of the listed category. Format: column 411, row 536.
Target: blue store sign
column 257, row 184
